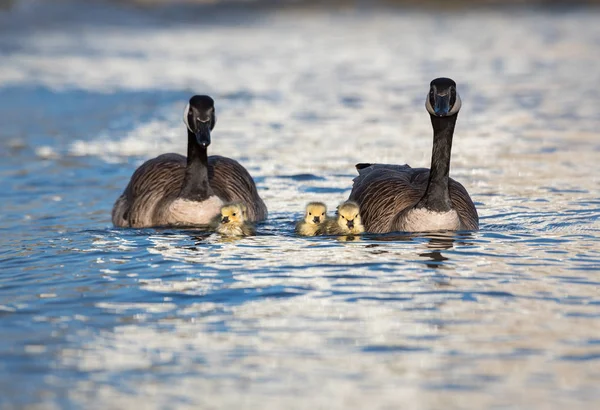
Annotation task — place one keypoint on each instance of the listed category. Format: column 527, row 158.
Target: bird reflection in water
column 348, row 238
column 207, row 238
column 435, row 243
column 440, row 241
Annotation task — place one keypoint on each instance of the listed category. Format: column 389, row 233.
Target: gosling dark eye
column 342, row 216
column 323, row 214
column 233, row 214
column 310, row 213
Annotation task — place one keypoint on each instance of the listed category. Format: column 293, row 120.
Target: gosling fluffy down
column 232, row 221
column 315, row 216
column 347, row 221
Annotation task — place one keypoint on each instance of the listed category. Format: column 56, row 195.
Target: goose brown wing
column 462, row 202
column 366, row 167
column 232, row 183
column 383, row 192
column 156, row 180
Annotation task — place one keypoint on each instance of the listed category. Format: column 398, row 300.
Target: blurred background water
column 97, row 317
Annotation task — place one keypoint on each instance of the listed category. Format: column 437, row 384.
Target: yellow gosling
column 347, row 221
column 233, row 221
column 315, row 216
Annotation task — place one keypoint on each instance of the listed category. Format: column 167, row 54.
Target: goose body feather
column 387, row 195
column 152, row 196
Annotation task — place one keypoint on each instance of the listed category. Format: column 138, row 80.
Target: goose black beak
column 225, row 219
column 350, row 224
column 442, row 105
column 316, row 219
column 203, row 134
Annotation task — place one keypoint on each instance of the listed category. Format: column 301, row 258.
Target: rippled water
column 98, row 317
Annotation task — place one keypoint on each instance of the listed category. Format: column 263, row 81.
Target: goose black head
column 199, row 118
column 443, row 99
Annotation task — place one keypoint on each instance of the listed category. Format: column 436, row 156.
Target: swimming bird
column 174, row 190
column 400, row 198
column 232, row 221
column 316, row 214
column 347, row 221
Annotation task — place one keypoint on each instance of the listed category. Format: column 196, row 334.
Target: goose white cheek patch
column 456, row 106
column 454, row 110
column 428, row 106
column 186, row 113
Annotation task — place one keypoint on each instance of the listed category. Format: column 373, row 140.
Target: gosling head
column 349, row 216
column 234, row 214
column 199, row 118
column 443, row 99
column 316, row 213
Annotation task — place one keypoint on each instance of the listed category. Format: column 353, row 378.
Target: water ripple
column 94, row 316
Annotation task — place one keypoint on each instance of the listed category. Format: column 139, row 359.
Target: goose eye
column 323, row 213
column 310, row 213
column 342, row 216
column 233, row 214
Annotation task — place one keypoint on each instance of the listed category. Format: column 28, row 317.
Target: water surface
column 98, row 317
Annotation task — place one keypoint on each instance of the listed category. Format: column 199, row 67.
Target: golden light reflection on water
column 502, row 318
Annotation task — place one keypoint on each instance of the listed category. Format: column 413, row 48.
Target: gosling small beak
column 442, row 104
column 316, row 219
column 203, row 133
column 350, row 224
column 225, row 219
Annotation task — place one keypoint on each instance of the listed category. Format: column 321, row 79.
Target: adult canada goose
column 346, row 222
column 400, row 198
column 316, row 214
column 174, row 190
column 232, row 221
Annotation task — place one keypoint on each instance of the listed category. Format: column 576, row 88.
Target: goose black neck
column 437, row 196
column 195, row 183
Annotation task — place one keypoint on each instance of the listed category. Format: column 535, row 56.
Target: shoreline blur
column 418, row 4
column 362, row 3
